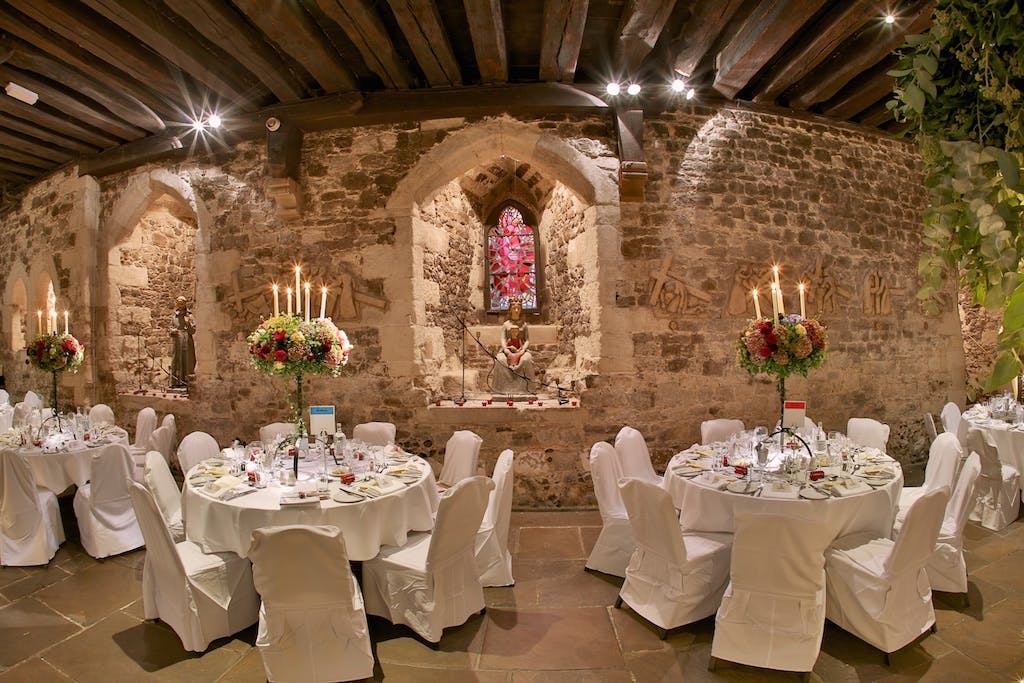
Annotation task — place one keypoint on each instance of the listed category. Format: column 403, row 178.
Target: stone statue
column 183, row 354
column 514, row 366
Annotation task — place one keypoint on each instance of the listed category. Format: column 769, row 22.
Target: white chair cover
column 195, row 448
column 20, row 415
column 878, row 589
column 947, row 569
column 30, row 526
column 616, row 543
column 773, row 611
column 461, row 454
column 171, row 423
column 5, row 398
column 161, row 484
column 634, row 456
column 101, row 414
column 202, row 596
column 106, row 521
column 929, row 427
column 375, row 433
column 270, row 432
column 998, row 487
column 33, row 400
column 867, row 432
column 943, row 458
column 6, row 417
column 673, row 578
column 312, row 623
column 950, row 417
column 493, row 558
column 145, row 423
column 713, row 431
column 432, row 582
column 162, row 441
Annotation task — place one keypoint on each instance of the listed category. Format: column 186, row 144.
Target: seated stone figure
column 513, row 371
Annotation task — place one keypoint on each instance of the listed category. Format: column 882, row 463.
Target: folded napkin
column 403, row 470
column 378, row 487
column 223, row 486
column 780, row 489
column 851, row 487
column 713, row 480
column 876, row 471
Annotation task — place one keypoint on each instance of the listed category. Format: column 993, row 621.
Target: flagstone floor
column 80, row 619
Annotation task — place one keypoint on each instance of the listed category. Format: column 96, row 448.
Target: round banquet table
column 57, row 471
column 227, row 525
column 708, row 509
column 1007, row 436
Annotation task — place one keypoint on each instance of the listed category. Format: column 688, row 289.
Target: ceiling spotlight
column 22, row 94
column 613, row 89
column 691, row 93
column 214, row 121
column 890, row 18
column 198, row 125
column 678, row 85
column 633, row 89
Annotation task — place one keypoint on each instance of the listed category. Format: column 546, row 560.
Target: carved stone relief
column 343, row 299
column 671, row 295
column 876, row 297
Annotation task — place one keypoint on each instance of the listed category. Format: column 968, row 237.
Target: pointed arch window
column 512, row 261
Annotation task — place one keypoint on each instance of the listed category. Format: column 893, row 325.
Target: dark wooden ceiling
column 119, row 81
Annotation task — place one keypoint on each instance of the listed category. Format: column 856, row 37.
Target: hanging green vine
column 960, row 87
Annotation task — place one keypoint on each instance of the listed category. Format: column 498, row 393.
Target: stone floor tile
column 549, row 543
column 459, row 648
column 953, row 667
column 1006, row 573
column 399, row 673
column 598, row 676
column 995, row 548
column 33, row 582
column 550, row 639
column 136, row 609
column 9, row 575
column 27, row 626
column 568, row 585
column 93, row 593
column 71, row 558
column 34, row 670
column 589, row 534
column 556, row 518
column 248, row 669
column 636, row 634
column 133, row 559
column 996, row 641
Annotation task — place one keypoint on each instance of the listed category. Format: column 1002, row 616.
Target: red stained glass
column 511, row 258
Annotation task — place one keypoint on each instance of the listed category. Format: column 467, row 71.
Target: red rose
column 69, row 346
column 280, row 355
column 764, row 352
column 770, row 339
column 326, row 346
column 765, row 327
column 280, row 335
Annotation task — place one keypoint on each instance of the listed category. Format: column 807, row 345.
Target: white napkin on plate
column 851, row 487
column 780, row 489
column 712, row 480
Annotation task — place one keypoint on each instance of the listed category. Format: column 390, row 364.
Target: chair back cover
column 929, row 426
column 916, row 541
column 145, row 423
column 654, row 520
column 195, row 448
column 171, row 423
column 962, row 500
column 943, row 458
column 323, row 577
column 950, row 417
column 20, row 414
column 634, row 456
column 161, row 484
column 461, row 454
column 5, row 398
column 375, row 433
column 20, row 514
column 712, row 431
column 606, row 472
column 493, row 559
column 270, row 432
column 162, row 441
column 101, row 414
column 161, row 555
column 981, row 443
column 33, row 400
column 458, row 517
column 109, row 499
column 867, row 432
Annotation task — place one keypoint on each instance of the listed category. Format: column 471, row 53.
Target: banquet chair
column 33, row 400
column 201, row 596
column 674, row 577
column 943, row 457
column 106, row 521
column 145, row 423
column 877, row 589
column 773, row 612
column 929, row 427
column 461, row 454
column 5, row 398
column 998, row 487
column 161, row 484
column 161, row 441
column 6, row 417
column 867, row 432
column 713, row 431
column 947, row 570
column 616, row 542
column 431, row 582
column 312, row 622
column 493, row 558
column 634, row 456
column 171, row 423
column 270, row 432
column 194, row 448
column 30, row 525
column 374, row 433
column 20, row 415
column 950, row 418
column 101, row 414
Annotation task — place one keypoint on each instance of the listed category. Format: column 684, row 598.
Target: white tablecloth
column 6, row 417
column 57, row 471
column 1007, row 436
column 217, row 525
column 707, row 509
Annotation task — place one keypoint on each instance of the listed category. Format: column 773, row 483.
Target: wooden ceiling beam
column 105, row 84
column 219, row 23
column 706, row 24
column 77, row 107
column 640, row 26
column 487, row 30
column 359, row 20
column 37, row 146
column 132, row 154
column 869, row 48
column 862, row 92
column 822, row 40
column 64, row 126
column 295, row 32
column 562, row 38
column 203, row 62
column 421, row 24
column 876, row 114
column 17, row 169
column 766, row 30
column 23, row 158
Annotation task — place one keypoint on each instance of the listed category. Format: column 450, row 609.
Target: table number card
column 321, row 419
column 793, row 414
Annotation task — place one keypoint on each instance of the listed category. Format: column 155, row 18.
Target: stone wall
column 730, row 191
column 981, row 337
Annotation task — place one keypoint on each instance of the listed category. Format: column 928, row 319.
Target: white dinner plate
column 745, row 487
column 339, row 496
column 687, row 471
column 811, row 493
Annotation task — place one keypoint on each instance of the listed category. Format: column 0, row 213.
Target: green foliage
column 961, row 87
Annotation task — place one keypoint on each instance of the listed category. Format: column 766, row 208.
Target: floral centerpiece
column 55, row 353
column 286, row 345
column 789, row 345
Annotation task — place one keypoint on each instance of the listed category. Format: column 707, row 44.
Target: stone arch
column 17, row 318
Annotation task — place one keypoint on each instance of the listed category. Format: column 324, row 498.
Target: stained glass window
column 511, row 261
